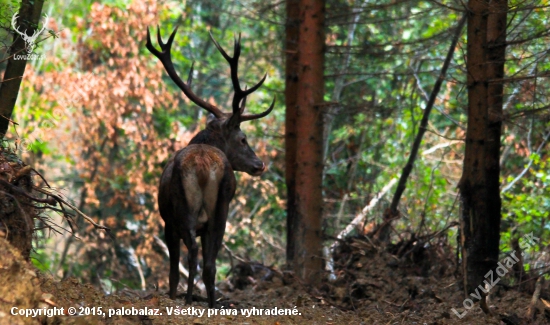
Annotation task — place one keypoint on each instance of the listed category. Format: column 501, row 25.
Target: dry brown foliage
column 107, row 150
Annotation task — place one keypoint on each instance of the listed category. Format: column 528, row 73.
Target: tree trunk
column 309, row 131
column 29, row 16
column 479, row 185
column 291, row 95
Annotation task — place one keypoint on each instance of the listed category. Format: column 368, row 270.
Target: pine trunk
column 309, row 131
column 480, row 184
column 291, row 95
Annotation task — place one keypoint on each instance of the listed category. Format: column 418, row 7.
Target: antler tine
column 150, row 46
column 240, row 95
column 237, row 47
column 250, row 117
column 234, row 66
column 243, row 103
column 255, row 87
column 165, row 57
column 222, row 51
column 159, row 37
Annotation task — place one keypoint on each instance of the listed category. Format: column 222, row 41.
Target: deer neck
column 211, row 138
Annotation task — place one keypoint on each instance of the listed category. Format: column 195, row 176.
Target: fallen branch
column 484, row 306
column 61, row 200
column 535, row 298
column 42, row 177
column 232, row 255
column 420, row 241
column 361, row 216
column 20, row 191
column 354, row 223
column 139, row 269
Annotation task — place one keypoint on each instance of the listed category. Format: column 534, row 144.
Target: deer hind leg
column 187, row 232
column 190, row 240
column 185, row 228
column 209, row 253
column 173, row 243
column 212, row 239
column 191, row 209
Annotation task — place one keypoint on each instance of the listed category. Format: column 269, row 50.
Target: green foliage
column 44, row 261
column 526, row 208
column 381, row 59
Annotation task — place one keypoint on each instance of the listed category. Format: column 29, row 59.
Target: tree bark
column 291, row 95
column 309, row 154
column 479, row 185
column 29, row 16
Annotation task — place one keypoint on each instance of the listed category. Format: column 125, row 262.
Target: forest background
column 99, row 118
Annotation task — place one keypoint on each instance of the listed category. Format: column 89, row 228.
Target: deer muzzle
column 258, row 170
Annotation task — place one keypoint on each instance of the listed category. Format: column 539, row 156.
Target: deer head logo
column 29, row 40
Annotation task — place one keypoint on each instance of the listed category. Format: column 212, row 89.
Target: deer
column 198, row 182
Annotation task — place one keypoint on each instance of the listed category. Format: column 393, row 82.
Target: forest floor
column 370, row 287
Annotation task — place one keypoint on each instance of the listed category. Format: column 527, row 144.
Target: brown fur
column 202, row 168
column 201, row 161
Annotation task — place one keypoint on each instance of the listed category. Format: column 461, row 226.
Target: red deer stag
column 198, row 182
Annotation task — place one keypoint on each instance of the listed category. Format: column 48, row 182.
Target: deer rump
column 189, row 189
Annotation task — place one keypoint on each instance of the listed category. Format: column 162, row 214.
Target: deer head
column 223, row 130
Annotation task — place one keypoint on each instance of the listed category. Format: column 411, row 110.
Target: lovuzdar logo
column 30, row 41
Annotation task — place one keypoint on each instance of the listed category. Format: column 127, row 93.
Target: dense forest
column 389, row 161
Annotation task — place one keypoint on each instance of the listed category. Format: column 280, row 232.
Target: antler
column 240, row 95
column 166, row 59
